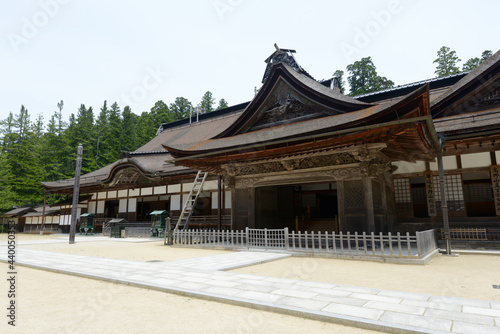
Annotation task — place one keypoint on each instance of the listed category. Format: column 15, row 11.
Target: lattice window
column 354, row 194
column 402, row 192
column 402, row 195
column 454, row 192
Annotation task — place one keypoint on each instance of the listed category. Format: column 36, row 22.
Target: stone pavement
column 391, row 311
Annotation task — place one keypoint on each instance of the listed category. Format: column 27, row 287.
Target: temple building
column 302, row 155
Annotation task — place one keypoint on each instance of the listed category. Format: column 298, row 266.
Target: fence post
column 408, row 243
column 286, row 239
column 247, row 236
column 265, row 238
column 419, row 247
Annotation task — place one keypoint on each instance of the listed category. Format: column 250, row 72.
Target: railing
column 321, row 243
column 426, row 242
column 467, row 233
column 267, row 238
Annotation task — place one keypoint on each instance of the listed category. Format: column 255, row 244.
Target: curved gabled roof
column 285, row 80
column 410, row 106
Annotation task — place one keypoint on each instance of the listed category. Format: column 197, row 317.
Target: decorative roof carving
column 286, row 107
column 233, row 170
column 284, row 56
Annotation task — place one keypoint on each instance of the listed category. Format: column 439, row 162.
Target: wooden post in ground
column 444, row 201
column 43, row 214
column 76, row 194
column 219, row 201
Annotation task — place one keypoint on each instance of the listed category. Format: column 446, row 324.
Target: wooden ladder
column 188, row 208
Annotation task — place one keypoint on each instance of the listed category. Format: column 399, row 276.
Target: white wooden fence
column 378, row 245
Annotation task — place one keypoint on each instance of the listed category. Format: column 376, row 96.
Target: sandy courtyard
column 57, row 303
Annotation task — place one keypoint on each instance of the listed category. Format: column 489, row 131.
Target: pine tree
column 128, row 134
column 222, row 104
column 363, row 78
column 145, row 128
column 207, row 102
column 472, row 63
column 446, row 62
column 180, row 108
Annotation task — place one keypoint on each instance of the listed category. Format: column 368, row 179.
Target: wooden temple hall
column 304, row 156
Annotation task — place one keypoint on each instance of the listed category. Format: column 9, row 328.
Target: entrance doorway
column 306, row 207
column 478, row 194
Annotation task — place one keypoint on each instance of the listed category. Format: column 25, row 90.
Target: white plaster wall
column 175, row 202
column 100, row 206
column 92, row 207
column 101, row 195
column 474, row 160
column 210, row 185
column 186, row 187
column 132, row 204
column 123, row 205
column 146, row 191
column 449, row 162
column 122, row 193
column 160, row 190
column 134, row 192
column 112, row 194
column 174, row 188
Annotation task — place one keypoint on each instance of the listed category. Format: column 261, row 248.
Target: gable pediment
column 288, row 97
column 284, row 107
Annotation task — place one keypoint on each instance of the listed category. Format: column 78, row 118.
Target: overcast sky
column 139, row 52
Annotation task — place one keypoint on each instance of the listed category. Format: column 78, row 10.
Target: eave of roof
column 293, row 133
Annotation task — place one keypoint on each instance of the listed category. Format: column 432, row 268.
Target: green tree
column 114, row 133
column 207, row 102
column 81, row 131
column 180, row 108
column 161, row 114
column 222, row 104
column 472, row 63
column 128, row 134
column 363, row 78
column 20, row 160
column 446, row 62
column 146, row 129
column 100, row 135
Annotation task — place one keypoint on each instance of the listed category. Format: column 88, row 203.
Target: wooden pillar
column 233, row 211
column 385, row 208
column 444, row 200
column 43, row 214
column 76, row 194
column 219, row 202
column 341, row 205
column 370, row 217
column 251, row 207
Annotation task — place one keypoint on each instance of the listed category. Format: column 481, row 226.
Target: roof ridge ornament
column 284, row 56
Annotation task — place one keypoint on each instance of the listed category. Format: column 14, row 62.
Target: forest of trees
column 32, row 151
